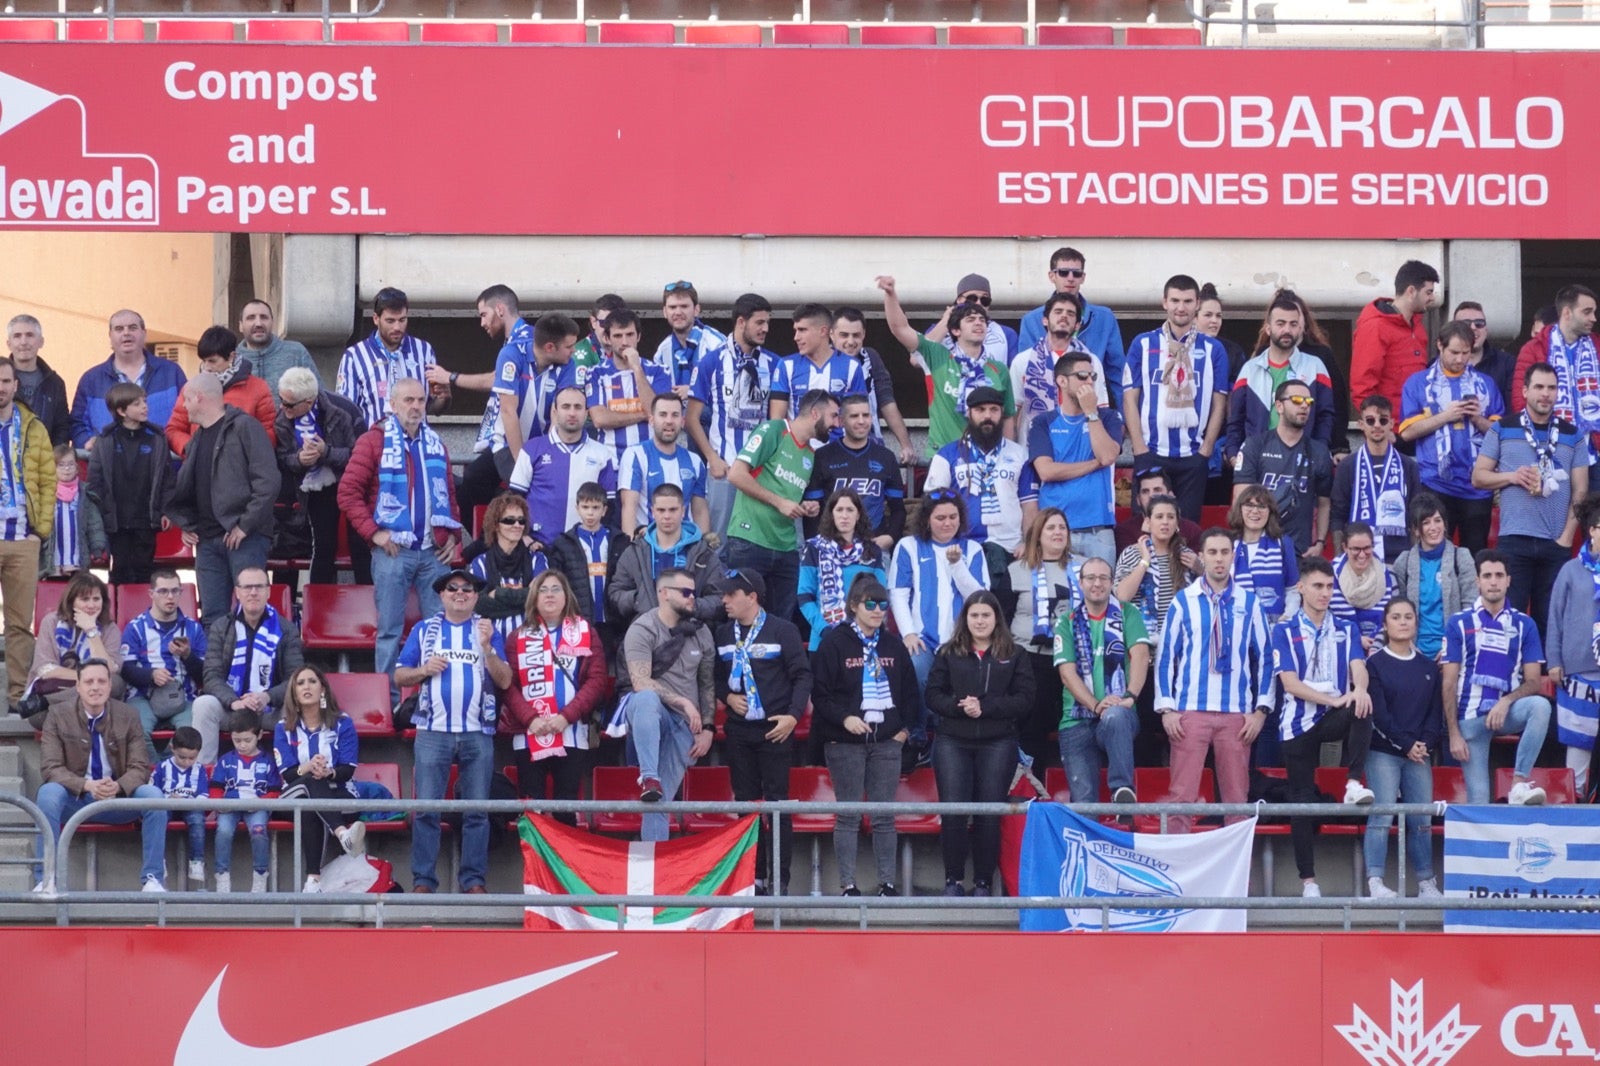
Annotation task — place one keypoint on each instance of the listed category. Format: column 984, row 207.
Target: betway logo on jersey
column 48, row 175
column 1526, row 1031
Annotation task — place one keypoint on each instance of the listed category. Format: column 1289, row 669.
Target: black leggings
column 564, row 771
column 317, row 841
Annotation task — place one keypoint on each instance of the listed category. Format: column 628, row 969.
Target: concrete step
column 14, row 878
column 10, row 761
column 8, row 813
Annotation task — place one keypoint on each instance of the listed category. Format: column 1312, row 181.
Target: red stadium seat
column 810, row 33
column 967, row 33
column 365, row 698
column 195, row 30
column 1161, row 35
column 615, row 783
column 45, row 602
column 460, row 33
column 1449, row 785
column 709, row 784
column 341, row 618
column 279, row 30
column 638, row 33
column 1056, row 33
column 813, row 785
column 1212, row 515
column 917, row 787
column 1154, row 783
column 171, row 550
column 549, row 33
column 899, row 35
column 351, row 30
column 723, row 33
column 134, row 600
column 27, row 30
column 99, row 29
column 1557, row 782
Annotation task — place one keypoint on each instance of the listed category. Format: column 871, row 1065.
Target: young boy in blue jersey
column 246, row 772
column 585, row 554
column 180, row 776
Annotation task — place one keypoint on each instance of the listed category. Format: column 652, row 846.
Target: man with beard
column 269, row 353
column 730, row 391
column 1251, row 410
column 660, row 461
column 1294, row 467
column 690, row 341
column 856, row 461
column 992, row 471
column 1376, row 485
column 1033, row 373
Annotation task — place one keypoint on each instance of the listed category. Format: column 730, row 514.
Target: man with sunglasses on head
column 669, row 666
column 999, row 341
column 1497, row 363
column 1097, row 326
column 1296, row 468
column 1375, row 485
column 690, row 341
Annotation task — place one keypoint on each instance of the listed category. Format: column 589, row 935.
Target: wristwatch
column 454, row 376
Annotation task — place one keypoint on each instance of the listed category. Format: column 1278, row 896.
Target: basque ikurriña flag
column 559, row 860
column 1066, row 854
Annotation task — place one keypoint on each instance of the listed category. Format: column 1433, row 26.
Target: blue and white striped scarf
column 743, row 676
column 1113, row 651
column 253, row 654
column 875, row 695
column 408, row 508
column 13, row 487
column 831, row 563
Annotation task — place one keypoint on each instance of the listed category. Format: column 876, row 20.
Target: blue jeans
column 922, row 665
column 391, row 579
column 433, row 753
column 148, row 719
column 260, row 843
column 58, row 805
column 658, row 743
column 719, row 501
column 195, row 825
column 215, row 568
column 1082, row 746
column 1392, row 778
column 780, row 571
column 1529, row 716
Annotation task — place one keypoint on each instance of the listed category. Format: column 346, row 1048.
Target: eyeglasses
column 1475, row 323
column 976, row 298
column 1085, row 578
column 513, row 520
column 875, row 605
column 253, row 588
column 677, row 286
column 1370, row 420
column 1299, row 401
column 1351, row 549
column 459, row 588
column 296, row 403
column 1069, row 272
column 1253, row 505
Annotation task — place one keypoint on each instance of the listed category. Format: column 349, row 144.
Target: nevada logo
column 1405, row 1044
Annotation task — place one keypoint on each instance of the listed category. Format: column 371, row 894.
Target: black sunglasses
column 513, row 520
column 1069, row 272
column 983, row 300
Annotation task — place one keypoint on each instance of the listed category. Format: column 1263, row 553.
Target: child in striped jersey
column 180, row 776
column 78, row 540
column 246, row 772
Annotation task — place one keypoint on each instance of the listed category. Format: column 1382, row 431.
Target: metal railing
column 57, row 860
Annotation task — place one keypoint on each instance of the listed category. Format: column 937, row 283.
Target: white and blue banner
column 1503, row 852
column 1066, row 854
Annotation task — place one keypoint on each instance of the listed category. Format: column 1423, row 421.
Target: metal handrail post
column 46, row 863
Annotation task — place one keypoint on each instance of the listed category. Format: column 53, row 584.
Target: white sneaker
column 1376, row 889
column 1428, row 888
column 1355, row 792
column 224, row 882
column 1311, row 890
column 1525, row 794
column 354, row 839
column 258, row 882
column 43, row 887
column 152, row 884
column 313, row 885
column 197, row 872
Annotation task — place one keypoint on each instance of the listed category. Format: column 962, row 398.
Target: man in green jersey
column 771, row 475
column 954, row 373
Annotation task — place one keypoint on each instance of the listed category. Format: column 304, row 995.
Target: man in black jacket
column 39, row 388
column 316, row 431
column 764, row 677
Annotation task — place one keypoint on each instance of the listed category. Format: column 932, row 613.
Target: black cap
column 743, row 581
column 985, row 394
column 440, row 582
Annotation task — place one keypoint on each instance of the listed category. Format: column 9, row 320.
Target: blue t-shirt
column 1430, row 608
column 1086, row 501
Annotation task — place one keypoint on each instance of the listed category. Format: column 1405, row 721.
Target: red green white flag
column 559, row 860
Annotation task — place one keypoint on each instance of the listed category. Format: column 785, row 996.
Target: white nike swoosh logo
column 206, row 1041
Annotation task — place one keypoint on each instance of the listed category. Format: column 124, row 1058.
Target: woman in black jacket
column 864, row 697
column 502, row 558
column 981, row 688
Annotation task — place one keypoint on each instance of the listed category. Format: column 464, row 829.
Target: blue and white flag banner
column 1066, row 854
column 1503, row 852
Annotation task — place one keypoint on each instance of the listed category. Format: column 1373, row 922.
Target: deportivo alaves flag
column 1066, row 854
column 558, row 860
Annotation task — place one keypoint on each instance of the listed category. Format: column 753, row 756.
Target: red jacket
column 245, row 392
column 358, row 487
column 1537, row 350
column 1386, row 351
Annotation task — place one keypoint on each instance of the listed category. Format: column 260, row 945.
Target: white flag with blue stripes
column 1502, row 852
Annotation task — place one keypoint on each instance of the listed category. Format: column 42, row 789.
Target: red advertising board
column 867, row 141
column 198, row 997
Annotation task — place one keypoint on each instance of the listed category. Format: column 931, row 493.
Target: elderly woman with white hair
column 316, row 430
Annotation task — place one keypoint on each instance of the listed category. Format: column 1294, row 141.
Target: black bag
column 405, row 713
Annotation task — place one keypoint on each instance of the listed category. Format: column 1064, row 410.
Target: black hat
column 985, row 394
column 460, row 571
column 743, row 581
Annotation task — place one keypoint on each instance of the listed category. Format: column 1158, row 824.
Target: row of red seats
column 461, row 32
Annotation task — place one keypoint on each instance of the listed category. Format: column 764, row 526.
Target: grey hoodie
column 279, row 355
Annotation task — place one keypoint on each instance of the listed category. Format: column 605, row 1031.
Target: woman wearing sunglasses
column 864, row 699
column 1263, row 558
column 502, row 559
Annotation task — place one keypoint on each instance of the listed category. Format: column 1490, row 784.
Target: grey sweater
column 1569, row 636
column 1458, row 578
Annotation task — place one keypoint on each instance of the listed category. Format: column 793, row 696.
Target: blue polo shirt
column 1089, row 501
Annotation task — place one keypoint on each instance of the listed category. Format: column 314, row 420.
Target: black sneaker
column 850, row 890
column 954, row 889
column 981, row 889
column 1124, row 794
column 888, row 890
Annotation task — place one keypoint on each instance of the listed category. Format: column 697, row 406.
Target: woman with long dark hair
column 314, row 745
column 1154, row 568
column 1264, row 558
column 1045, row 579
column 830, row 562
column 1437, row 576
column 981, row 689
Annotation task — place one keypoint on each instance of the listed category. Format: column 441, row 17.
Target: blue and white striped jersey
column 795, row 375
column 679, row 359
column 549, row 473
column 617, row 390
column 1294, row 649
column 645, row 468
column 1213, row 660
column 1492, row 653
column 518, row 379
column 368, row 370
column 174, row 783
column 927, row 590
column 462, row 699
column 734, row 387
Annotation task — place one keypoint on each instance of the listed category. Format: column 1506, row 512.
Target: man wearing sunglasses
column 1486, row 358
column 1097, row 326
column 1296, row 468
column 1376, row 485
column 999, row 341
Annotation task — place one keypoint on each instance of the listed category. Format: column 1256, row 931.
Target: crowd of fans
column 658, row 547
